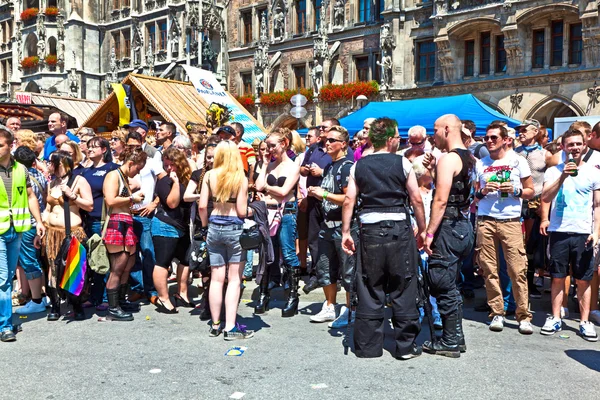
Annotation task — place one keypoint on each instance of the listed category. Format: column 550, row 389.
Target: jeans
column 10, row 242
column 141, row 273
column 506, row 284
column 451, row 245
column 468, row 266
column 98, row 289
column 249, row 263
column 29, row 256
column 434, row 308
column 287, row 240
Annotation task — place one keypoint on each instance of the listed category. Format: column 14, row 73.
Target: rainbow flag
column 73, row 279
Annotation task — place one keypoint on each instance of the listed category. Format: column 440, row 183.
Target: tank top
column 461, row 191
column 536, row 159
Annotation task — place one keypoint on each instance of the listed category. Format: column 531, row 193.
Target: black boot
column 54, row 314
column 462, row 346
column 125, row 304
column 291, row 305
column 78, row 313
column 264, row 297
column 448, row 345
column 115, row 312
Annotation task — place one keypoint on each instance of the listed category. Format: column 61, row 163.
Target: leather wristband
column 479, row 194
column 518, row 192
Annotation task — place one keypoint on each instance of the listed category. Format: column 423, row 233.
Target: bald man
column 449, row 236
column 14, row 123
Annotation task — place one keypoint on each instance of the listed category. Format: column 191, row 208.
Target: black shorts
column 168, row 248
column 332, row 263
column 570, row 250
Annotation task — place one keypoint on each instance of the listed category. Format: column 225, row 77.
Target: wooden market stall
column 156, row 99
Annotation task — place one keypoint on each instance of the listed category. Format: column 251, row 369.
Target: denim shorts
column 161, row 228
column 223, row 242
column 29, row 256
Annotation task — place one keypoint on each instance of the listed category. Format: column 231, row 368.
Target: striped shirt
column 6, row 175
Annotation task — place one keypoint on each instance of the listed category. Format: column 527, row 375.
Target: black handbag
column 197, row 252
column 250, row 238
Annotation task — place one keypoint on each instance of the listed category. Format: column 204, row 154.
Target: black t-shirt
column 95, row 177
column 335, row 179
column 177, row 217
column 196, row 178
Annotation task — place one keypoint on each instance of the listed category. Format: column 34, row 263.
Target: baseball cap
column 528, row 122
column 137, row 123
column 227, row 130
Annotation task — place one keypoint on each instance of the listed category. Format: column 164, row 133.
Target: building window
column 469, row 57
column 117, row 40
column 162, row 27
column 317, row 8
column 300, row 16
column 379, row 8
column 538, row 48
column 151, row 32
column 500, row 54
column 362, row 69
column 247, row 22
column 364, row 10
column 486, row 53
column 556, row 49
column 575, row 44
column 116, row 4
column 300, row 76
column 425, row 61
column 126, row 42
column 246, row 83
column 376, row 68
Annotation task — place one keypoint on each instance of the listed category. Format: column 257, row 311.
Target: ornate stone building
column 527, row 59
column 77, row 48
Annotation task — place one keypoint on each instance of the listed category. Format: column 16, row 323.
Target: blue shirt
column 50, row 144
column 95, row 177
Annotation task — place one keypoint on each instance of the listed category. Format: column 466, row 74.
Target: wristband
column 518, row 192
column 479, row 194
column 325, row 193
column 430, row 235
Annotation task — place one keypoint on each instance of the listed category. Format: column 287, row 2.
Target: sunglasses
column 492, row 138
column 333, row 140
column 417, row 143
column 114, row 139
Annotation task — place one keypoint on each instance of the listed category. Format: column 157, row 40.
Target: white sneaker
column 497, row 323
column 327, row 313
column 551, row 326
column 31, row 308
column 564, row 312
column 525, row 328
column 595, row 316
column 587, row 331
column 342, row 320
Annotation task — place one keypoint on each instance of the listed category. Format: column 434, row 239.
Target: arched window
column 31, row 45
column 52, row 46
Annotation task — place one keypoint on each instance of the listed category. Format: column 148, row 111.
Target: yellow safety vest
column 18, row 210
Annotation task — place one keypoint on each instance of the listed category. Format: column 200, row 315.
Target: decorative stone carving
column 174, row 34
column 60, row 53
column 149, row 4
column 321, row 51
column 279, row 12
column 446, row 59
column 594, row 96
column 41, row 26
column 261, row 57
column 441, row 8
column 208, row 54
column 514, row 50
column 211, row 18
column 136, row 43
column 41, row 49
column 591, row 40
column 192, row 25
column 149, row 70
column 60, row 26
column 339, row 13
column 73, row 83
column 17, row 39
column 515, row 101
column 112, row 74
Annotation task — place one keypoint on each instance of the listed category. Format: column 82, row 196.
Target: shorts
column 570, row 249
column 332, row 263
column 29, row 256
column 168, row 248
column 223, row 242
column 120, row 231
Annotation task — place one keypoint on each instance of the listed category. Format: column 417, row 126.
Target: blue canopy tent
column 424, row 112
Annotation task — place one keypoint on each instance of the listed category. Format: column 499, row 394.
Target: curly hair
column 182, row 166
column 26, row 137
column 134, row 154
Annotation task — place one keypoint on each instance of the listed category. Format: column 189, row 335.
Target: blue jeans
column 287, row 240
column 249, row 263
column 10, row 243
column 29, row 256
column 141, row 273
column 434, row 308
column 98, row 290
column 505, row 283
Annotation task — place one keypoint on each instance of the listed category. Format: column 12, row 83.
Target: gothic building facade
column 525, row 58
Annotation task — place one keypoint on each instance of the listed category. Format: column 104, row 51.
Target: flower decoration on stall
column 217, row 115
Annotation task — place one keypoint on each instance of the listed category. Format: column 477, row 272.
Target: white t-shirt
column 375, row 217
column 572, row 207
column 147, row 177
column 511, row 165
column 594, row 158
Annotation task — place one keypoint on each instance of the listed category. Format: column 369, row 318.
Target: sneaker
column 342, row 320
column 8, row 336
column 564, row 312
column 238, row 332
column 312, row 284
column 497, row 323
column 595, row 316
column 551, row 326
column 539, row 282
column 327, row 313
column 525, row 328
column 31, row 308
column 214, row 332
column 415, row 352
column 534, row 293
column 587, row 331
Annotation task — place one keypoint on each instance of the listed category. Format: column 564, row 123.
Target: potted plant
column 29, row 14
column 30, row 62
column 51, row 13
column 51, row 60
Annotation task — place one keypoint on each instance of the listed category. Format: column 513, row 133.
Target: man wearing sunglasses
column 503, row 181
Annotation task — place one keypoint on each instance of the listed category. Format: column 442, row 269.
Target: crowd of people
column 381, row 218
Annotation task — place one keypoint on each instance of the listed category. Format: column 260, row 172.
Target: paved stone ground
column 161, row 356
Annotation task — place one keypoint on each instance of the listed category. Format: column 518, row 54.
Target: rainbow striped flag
column 73, row 279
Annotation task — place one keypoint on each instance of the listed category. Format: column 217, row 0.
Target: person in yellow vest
column 17, row 204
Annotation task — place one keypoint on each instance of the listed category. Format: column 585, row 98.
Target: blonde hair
column 298, row 144
column 284, row 135
column 120, row 133
column 77, row 154
column 26, row 138
column 228, row 169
